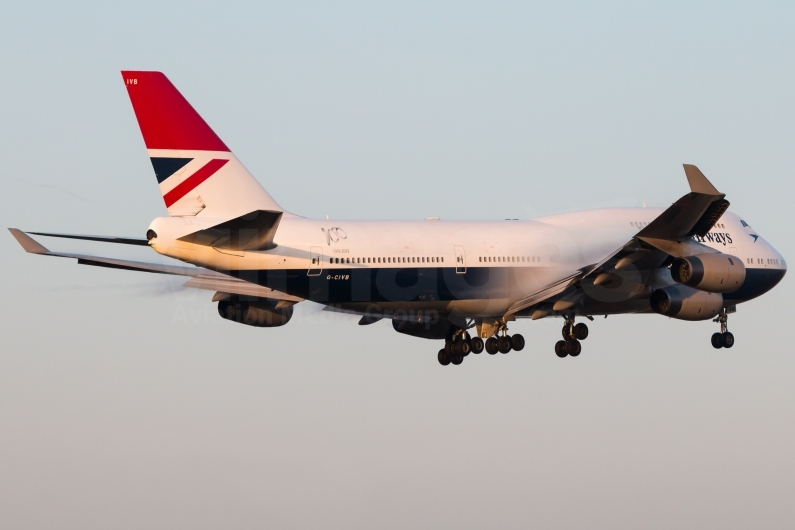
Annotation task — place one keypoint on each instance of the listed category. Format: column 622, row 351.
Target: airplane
column 432, row 278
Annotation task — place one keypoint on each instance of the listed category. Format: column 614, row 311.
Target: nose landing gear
column 572, row 335
column 724, row 339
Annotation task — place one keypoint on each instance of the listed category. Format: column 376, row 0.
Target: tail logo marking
column 165, row 167
column 187, row 185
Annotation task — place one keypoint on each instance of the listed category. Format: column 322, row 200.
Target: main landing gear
column 504, row 343
column 460, row 344
column 572, row 335
column 724, row 339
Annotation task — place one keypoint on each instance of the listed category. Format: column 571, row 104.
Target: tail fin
column 196, row 171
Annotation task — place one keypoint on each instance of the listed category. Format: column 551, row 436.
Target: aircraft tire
column 717, row 341
column 581, row 331
column 463, row 347
column 727, row 340
column 504, row 344
column 491, row 345
column 517, row 342
column 574, row 347
column 457, row 359
column 444, row 360
column 560, row 349
column 477, row 345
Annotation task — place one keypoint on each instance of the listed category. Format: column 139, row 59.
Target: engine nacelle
column 436, row 328
column 260, row 313
column 714, row 273
column 685, row 303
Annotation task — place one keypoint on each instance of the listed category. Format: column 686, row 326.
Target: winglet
column 27, row 242
column 698, row 182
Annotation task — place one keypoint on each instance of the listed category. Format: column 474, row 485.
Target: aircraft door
column 315, row 261
column 460, row 260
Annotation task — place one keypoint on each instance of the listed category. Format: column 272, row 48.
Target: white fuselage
column 521, row 257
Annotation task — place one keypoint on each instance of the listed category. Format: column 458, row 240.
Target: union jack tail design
column 196, row 171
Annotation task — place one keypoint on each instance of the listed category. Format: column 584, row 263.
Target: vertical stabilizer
column 196, row 171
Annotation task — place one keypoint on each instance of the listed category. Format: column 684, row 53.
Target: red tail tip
column 166, row 119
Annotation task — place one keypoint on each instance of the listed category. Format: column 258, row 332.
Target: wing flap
column 225, row 284
column 543, row 294
column 129, row 265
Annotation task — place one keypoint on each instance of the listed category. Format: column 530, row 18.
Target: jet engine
column 432, row 329
column 685, row 303
column 714, row 273
column 260, row 313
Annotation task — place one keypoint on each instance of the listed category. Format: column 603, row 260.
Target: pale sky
column 126, row 402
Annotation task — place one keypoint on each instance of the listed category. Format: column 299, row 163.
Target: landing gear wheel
column 517, row 342
column 491, row 346
column 462, row 347
column 560, row 349
column 477, row 345
column 444, row 360
column 580, row 331
column 573, row 347
column 457, row 359
column 504, row 344
column 724, row 339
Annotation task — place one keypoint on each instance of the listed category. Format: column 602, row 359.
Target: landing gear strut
column 572, row 335
column 724, row 339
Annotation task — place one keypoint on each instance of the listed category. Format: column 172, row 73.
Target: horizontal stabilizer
column 253, row 231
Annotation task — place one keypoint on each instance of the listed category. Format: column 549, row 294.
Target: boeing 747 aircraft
column 462, row 282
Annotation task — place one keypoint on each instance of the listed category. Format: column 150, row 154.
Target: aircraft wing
column 103, row 239
column 693, row 215
column 200, row 278
column 670, row 234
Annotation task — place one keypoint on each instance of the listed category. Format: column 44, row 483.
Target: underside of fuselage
column 476, row 292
